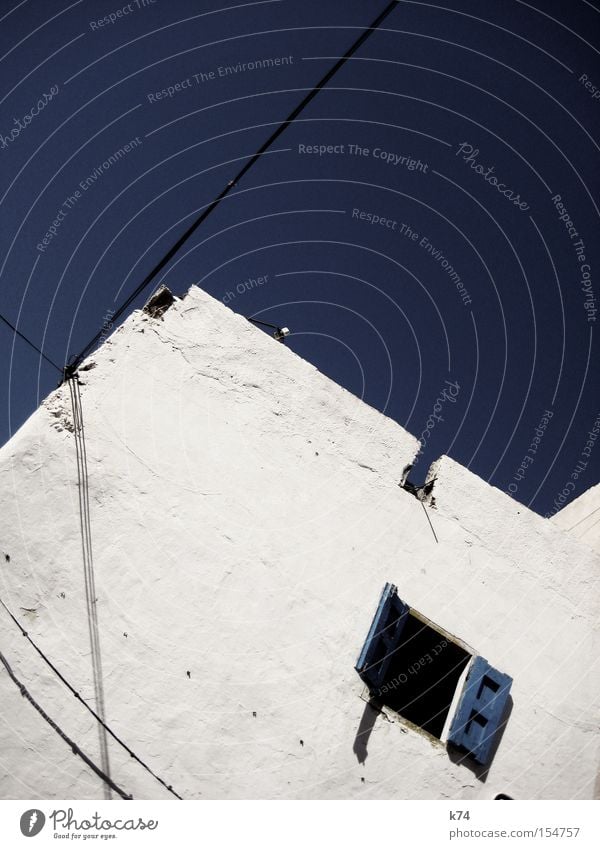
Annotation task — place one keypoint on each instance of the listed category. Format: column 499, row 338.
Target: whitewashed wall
column 245, row 514
column 581, row 518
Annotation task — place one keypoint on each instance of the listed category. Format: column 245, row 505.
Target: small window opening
column 416, row 669
column 423, row 675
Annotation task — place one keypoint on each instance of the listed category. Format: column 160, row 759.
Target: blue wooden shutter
column 383, row 638
column 480, row 710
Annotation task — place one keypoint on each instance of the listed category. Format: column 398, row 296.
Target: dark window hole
column 423, row 676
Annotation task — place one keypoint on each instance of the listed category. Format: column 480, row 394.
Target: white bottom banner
column 265, row 824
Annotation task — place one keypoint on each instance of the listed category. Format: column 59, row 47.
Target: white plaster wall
column 245, row 515
column 581, row 518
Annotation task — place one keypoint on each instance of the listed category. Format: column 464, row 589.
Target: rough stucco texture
column 245, row 514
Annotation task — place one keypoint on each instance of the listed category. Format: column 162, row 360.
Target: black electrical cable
column 74, row 747
column 30, row 343
column 264, row 323
column 77, row 360
column 85, row 704
column 429, row 520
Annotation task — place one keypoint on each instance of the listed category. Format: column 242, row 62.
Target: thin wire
column 74, row 747
column 84, row 703
column 429, row 520
column 76, row 361
column 30, row 343
column 264, row 323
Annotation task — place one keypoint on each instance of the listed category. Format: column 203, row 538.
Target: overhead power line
column 30, row 343
column 85, row 704
column 76, row 361
column 74, row 747
column 99, row 719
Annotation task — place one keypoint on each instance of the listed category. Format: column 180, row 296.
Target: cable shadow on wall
column 88, row 570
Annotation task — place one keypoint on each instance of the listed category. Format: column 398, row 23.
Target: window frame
column 458, row 729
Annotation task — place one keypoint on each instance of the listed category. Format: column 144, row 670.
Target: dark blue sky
column 461, row 122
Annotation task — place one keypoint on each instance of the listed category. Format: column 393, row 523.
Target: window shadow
column 367, row 723
column 456, row 755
